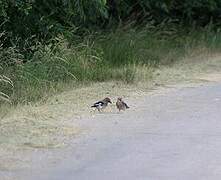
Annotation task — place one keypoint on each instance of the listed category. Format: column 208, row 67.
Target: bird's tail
column 126, row 106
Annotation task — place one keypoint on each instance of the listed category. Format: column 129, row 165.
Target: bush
column 29, row 22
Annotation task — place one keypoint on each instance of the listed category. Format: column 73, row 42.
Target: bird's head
column 107, row 99
column 119, row 99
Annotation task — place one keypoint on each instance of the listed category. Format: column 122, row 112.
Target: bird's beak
column 110, row 102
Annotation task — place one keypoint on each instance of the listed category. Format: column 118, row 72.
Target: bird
column 101, row 104
column 121, row 105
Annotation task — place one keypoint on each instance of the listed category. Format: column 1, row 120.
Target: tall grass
column 108, row 56
column 5, row 81
column 6, row 84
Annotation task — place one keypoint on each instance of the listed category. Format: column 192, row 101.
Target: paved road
column 171, row 136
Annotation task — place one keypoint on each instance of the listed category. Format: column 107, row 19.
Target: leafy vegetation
column 25, row 22
column 46, row 44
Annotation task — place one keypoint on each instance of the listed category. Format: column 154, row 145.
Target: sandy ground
column 45, row 135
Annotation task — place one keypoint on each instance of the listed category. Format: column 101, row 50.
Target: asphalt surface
column 174, row 135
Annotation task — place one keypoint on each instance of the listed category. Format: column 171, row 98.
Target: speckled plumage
column 121, row 105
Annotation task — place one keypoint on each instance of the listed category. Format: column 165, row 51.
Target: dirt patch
column 215, row 77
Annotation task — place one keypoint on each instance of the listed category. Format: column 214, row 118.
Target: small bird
column 121, row 105
column 102, row 104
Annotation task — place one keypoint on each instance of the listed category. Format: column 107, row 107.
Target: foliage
column 25, row 21
column 45, row 42
column 113, row 56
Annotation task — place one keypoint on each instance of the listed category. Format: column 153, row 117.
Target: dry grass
column 51, row 123
column 43, row 123
column 193, row 69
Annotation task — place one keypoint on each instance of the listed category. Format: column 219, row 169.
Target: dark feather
column 99, row 103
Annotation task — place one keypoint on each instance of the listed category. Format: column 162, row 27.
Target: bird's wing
column 99, row 103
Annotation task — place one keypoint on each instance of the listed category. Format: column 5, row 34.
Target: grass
column 120, row 63
column 51, row 121
column 48, row 124
column 101, row 57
